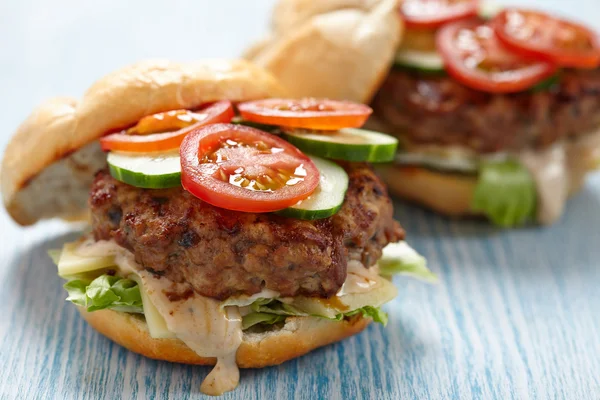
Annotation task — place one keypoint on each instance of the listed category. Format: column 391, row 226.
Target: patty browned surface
column 223, row 253
column 441, row 111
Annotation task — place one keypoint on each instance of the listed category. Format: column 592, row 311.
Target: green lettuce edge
column 272, row 311
column 105, row 292
column 505, row 193
column 401, row 259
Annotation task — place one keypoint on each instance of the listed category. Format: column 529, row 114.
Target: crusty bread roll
column 299, row 336
column 290, row 14
column 446, row 193
column 49, row 163
column 339, row 49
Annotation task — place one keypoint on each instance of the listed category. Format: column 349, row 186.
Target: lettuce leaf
column 276, row 307
column 106, row 292
column 400, row 258
column 505, row 193
column 376, row 313
column 272, row 311
column 257, row 318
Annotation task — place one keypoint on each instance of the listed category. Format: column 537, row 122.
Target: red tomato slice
column 435, row 13
column 318, row 114
column 244, row 169
column 184, row 122
column 473, row 55
column 540, row 35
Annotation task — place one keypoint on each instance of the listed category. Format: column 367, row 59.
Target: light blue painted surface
column 517, row 314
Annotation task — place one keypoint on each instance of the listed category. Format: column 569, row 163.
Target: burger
column 211, row 240
column 497, row 113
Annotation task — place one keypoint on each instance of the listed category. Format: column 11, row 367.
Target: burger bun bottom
column 297, row 337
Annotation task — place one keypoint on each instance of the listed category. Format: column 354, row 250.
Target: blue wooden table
column 517, row 313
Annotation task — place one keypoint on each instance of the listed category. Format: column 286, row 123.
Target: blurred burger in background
column 497, row 113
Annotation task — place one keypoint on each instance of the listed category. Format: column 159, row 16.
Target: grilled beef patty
column 425, row 109
column 222, row 253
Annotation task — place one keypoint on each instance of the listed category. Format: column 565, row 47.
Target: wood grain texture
column 517, row 315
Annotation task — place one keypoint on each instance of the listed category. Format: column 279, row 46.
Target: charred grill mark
column 114, row 215
column 188, row 239
column 229, row 223
column 175, row 296
column 160, row 200
column 377, row 191
column 156, row 273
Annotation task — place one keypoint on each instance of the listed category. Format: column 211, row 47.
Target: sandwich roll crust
column 447, row 193
column 58, row 138
column 290, row 14
column 338, row 50
column 298, row 336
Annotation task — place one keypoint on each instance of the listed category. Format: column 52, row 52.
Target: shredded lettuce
column 376, row 313
column 257, row 318
column 399, row 258
column 505, row 193
column 106, row 292
column 276, row 307
column 272, row 311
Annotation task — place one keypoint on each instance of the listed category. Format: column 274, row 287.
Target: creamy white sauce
column 453, row 162
column 245, row 300
column 212, row 328
column 559, row 171
column 200, row 322
column 203, row 326
column 549, row 170
column 359, row 279
column 91, row 248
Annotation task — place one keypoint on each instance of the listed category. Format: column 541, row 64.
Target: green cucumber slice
column 421, row 61
column 329, row 196
column 150, row 171
column 348, row 144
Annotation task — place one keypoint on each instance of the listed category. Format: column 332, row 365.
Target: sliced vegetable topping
column 273, row 311
column 327, row 199
column 71, row 264
column 420, row 61
column 306, row 113
column 174, row 125
column 105, row 292
column 434, row 13
column 400, row 258
column 540, row 35
column 348, row 144
column 243, row 169
column 505, row 193
column 151, row 171
column 474, row 56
